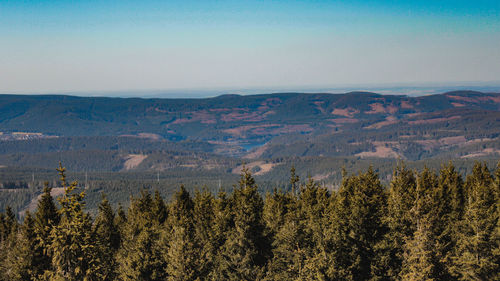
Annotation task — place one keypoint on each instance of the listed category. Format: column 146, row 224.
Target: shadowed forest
column 425, row 225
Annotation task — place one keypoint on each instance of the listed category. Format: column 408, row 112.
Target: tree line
column 423, row 226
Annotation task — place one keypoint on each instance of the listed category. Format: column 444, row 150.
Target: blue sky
column 62, row 46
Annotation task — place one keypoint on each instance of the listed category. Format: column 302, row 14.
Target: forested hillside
column 273, row 125
column 121, row 145
column 425, row 225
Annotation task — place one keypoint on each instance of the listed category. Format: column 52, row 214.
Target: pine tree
column 480, row 176
column 223, row 222
column 421, row 260
column 294, row 179
column 46, row 217
column 9, row 242
column 20, row 261
column 496, row 246
column 141, row 254
column 291, row 247
column 8, row 237
column 278, row 209
column 73, row 246
column 476, row 258
column 8, row 224
column 107, row 238
column 121, row 221
column 246, row 248
column 183, row 252
column 447, row 212
column 451, row 181
column 360, row 208
column 3, row 249
column 141, row 257
column 401, row 197
column 2, row 227
column 313, row 206
column 276, row 206
column 204, row 222
column 159, row 208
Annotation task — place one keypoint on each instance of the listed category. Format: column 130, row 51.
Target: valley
column 111, row 144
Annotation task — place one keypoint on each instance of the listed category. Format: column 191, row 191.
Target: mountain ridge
column 236, row 123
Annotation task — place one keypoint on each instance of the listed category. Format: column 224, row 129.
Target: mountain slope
column 358, row 123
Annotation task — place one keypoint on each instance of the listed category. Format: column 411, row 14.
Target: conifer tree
column 46, row 217
column 159, row 208
column 476, row 257
column 497, row 182
column 73, row 246
column 8, row 236
column 294, row 179
column 20, row 261
column 141, row 258
column 3, row 248
column 421, row 261
column 46, row 214
column 276, row 206
column 448, row 199
column 183, row 252
column 8, row 242
column 480, row 176
column 141, row 254
column 401, row 198
column 246, row 248
column 291, row 247
column 450, row 181
column 360, row 209
column 286, row 230
column 2, row 226
column 496, row 250
column 120, row 221
column 204, row 222
column 313, row 206
column 107, row 241
column 223, row 222
column 9, row 224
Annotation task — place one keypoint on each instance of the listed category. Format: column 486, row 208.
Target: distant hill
column 459, row 124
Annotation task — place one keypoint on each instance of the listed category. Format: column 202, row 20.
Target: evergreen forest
column 423, row 225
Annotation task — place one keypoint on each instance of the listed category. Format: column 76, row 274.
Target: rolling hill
column 360, row 124
column 123, row 145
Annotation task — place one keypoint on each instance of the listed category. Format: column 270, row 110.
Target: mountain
column 121, row 146
column 362, row 124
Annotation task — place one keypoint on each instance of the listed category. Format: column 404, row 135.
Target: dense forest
column 425, row 225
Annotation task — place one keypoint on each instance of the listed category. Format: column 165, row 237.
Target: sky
column 57, row 46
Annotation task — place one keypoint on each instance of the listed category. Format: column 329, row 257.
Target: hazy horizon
column 384, row 89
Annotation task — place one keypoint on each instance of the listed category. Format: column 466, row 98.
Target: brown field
column 433, row 120
column 133, row 160
column 381, row 151
column 346, row 112
column 264, row 167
